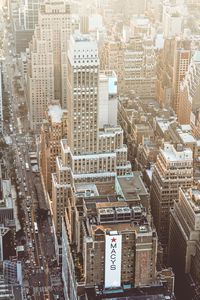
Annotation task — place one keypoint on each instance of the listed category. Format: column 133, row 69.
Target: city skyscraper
column 133, row 62
column 173, row 169
column 172, row 20
column 182, row 56
column 184, row 237
column 83, row 90
column 112, row 58
column 90, row 153
column 189, row 91
column 28, row 13
column 45, row 67
column 53, row 130
column 139, row 67
column 100, row 149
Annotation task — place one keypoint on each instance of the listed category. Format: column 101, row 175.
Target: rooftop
column 91, row 202
column 86, row 190
column 170, row 153
column 131, row 185
column 55, row 112
column 186, row 128
column 106, row 188
column 164, row 123
column 143, row 126
column 155, row 292
column 78, row 37
column 149, row 172
column 112, row 81
column 196, row 56
column 187, row 138
column 104, row 205
column 149, row 142
column 193, row 195
column 121, row 227
column 140, row 19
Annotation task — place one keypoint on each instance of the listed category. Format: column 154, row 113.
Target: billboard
column 113, row 255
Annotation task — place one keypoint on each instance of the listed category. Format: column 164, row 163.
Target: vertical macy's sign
column 113, row 253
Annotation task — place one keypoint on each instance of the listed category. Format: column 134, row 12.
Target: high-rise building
column 172, row 66
column 91, row 152
column 140, row 25
column 112, row 58
column 12, row 270
column 108, row 99
column 7, row 198
column 193, row 5
column 190, row 91
column 28, row 14
column 40, row 84
column 184, row 237
column 45, row 71
column 9, row 290
column 133, row 117
column 83, row 91
column 139, row 67
column 173, row 169
column 53, row 130
column 165, row 60
column 24, row 22
column 134, row 64
column 182, row 55
column 6, row 243
column 172, row 20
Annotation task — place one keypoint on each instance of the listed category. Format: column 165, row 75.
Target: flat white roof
column 170, row 153
column 163, row 124
column 186, row 127
column 55, row 112
column 187, row 138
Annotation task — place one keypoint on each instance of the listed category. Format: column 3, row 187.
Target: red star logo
column 113, row 240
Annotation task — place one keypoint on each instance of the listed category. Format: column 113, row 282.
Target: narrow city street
column 41, row 274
